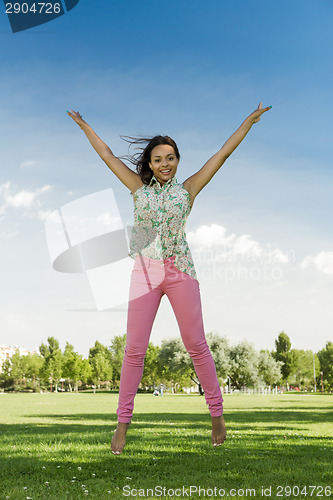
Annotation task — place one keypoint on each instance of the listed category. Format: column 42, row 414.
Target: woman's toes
column 118, row 441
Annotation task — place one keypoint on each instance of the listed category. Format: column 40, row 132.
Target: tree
column 31, row 366
column 86, row 371
column 21, row 368
column 73, row 367
column 117, row 351
column 326, row 364
column 151, row 372
column 16, row 370
column 282, row 343
column 52, row 368
column 99, row 360
column 269, row 369
column 6, row 379
column 175, row 363
column 244, row 361
column 219, row 348
column 282, row 353
column 302, row 374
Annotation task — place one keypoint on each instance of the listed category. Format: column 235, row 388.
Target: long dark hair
column 141, row 159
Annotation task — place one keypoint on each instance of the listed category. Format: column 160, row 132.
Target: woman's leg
column 141, row 315
column 140, row 318
column 184, row 295
column 144, row 298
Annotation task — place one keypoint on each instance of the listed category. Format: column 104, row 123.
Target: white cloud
column 27, row 163
column 277, row 255
column 207, row 236
column 323, row 261
column 22, row 199
column 44, row 214
column 107, row 219
column 244, row 244
column 4, row 186
column 213, row 239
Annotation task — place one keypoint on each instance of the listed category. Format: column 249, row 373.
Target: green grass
column 56, row 446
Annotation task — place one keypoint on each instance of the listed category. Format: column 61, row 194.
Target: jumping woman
column 163, row 262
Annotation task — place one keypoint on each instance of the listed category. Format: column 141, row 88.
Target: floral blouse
column 160, row 214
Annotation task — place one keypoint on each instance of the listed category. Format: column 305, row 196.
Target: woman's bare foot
column 218, row 431
column 119, row 439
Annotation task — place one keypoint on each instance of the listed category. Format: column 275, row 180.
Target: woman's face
column 163, row 162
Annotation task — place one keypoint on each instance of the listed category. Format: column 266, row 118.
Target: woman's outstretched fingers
column 256, row 115
column 75, row 115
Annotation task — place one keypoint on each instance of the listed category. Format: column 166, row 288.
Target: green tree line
column 237, row 366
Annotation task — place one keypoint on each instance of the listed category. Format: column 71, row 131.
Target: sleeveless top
column 160, row 214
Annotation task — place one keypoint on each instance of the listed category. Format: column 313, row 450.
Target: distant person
column 163, row 261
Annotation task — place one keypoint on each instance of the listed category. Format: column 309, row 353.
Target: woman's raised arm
column 197, row 181
column 131, row 179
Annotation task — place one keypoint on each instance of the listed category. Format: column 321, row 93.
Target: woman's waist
column 155, row 254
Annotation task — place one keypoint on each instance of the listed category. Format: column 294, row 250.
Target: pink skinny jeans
column 150, row 280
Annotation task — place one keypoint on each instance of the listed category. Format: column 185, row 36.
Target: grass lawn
column 57, row 446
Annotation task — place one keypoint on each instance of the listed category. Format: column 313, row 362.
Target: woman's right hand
column 76, row 117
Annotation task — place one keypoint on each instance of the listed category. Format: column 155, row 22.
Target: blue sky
column 194, row 71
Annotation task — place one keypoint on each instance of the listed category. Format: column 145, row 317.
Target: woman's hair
column 142, row 158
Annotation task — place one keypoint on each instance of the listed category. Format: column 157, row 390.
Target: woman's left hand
column 256, row 115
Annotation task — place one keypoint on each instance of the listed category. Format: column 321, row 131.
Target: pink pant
column 150, row 280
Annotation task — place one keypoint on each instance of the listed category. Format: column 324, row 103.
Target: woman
column 163, row 262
